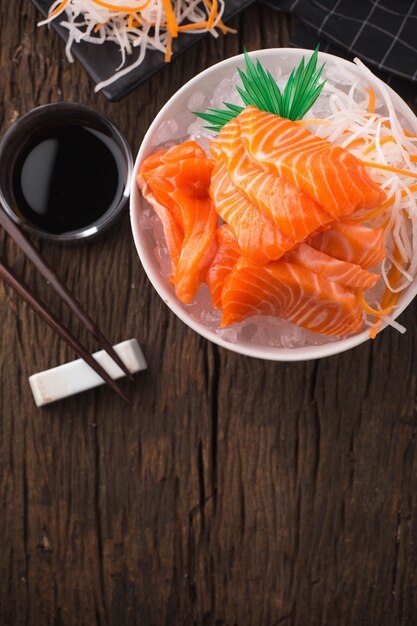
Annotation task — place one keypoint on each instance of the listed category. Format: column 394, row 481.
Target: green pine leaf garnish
column 260, row 90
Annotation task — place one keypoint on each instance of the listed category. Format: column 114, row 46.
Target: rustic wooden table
column 234, row 491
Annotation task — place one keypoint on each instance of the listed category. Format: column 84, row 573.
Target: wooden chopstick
column 48, row 273
column 39, row 307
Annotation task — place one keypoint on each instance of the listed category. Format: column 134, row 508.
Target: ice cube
column 293, row 336
column 145, row 218
column 197, row 101
column 165, row 132
column 226, row 92
column 212, row 317
column 314, row 339
column 162, row 254
column 229, row 334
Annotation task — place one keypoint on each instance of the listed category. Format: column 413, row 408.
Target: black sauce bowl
column 31, row 127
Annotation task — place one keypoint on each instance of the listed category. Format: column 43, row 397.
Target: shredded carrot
column 381, row 143
column 210, row 6
column 121, row 9
column 394, row 296
column 147, row 23
column 311, row 122
column 213, row 6
column 355, row 143
column 388, row 168
column 389, row 299
column 394, row 276
column 171, row 19
column 390, row 302
column 220, row 24
column 372, row 98
column 193, row 26
column 168, row 51
column 374, row 330
column 98, row 26
column 368, row 309
column 413, row 157
column 225, row 29
column 387, row 124
column 406, row 132
column 404, row 193
column 58, row 8
column 144, row 6
column 213, row 13
column 372, row 214
column 413, row 188
column 134, row 20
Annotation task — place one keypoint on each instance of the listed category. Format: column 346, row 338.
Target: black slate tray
column 101, row 61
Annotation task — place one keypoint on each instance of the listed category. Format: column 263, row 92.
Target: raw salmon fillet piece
column 179, row 181
column 293, row 211
column 175, row 153
column 260, row 240
column 227, row 255
column 174, row 235
column 342, row 272
column 348, row 240
column 330, row 175
column 292, row 292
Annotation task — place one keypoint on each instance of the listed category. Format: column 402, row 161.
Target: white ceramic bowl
column 206, row 82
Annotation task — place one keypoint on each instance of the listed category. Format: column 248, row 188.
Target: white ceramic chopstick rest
column 76, row 376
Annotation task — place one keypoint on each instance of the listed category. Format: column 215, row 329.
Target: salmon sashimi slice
column 196, row 254
column 259, row 239
column 227, row 255
column 176, row 182
column 330, row 175
column 188, row 178
column 293, row 211
column 348, row 240
column 174, row 235
column 183, row 187
column 286, row 290
column 342, row 272
column 174, row 154
column 215, row 148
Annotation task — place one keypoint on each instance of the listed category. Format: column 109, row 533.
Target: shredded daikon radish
column 384, row 143
column 388, row 321
column 130, row 24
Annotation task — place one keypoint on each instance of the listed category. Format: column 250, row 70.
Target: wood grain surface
column 234, row 492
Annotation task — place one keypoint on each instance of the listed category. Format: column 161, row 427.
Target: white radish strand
column 380, row 140
column 139, row 24
column 394, row 122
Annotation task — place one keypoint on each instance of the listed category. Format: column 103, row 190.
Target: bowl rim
column 159, row 282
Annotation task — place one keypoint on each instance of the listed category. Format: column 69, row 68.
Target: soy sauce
column 67, row 177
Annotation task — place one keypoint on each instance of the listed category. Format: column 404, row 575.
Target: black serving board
column 101, row 61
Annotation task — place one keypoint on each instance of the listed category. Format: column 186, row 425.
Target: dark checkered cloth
column 382, row 33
